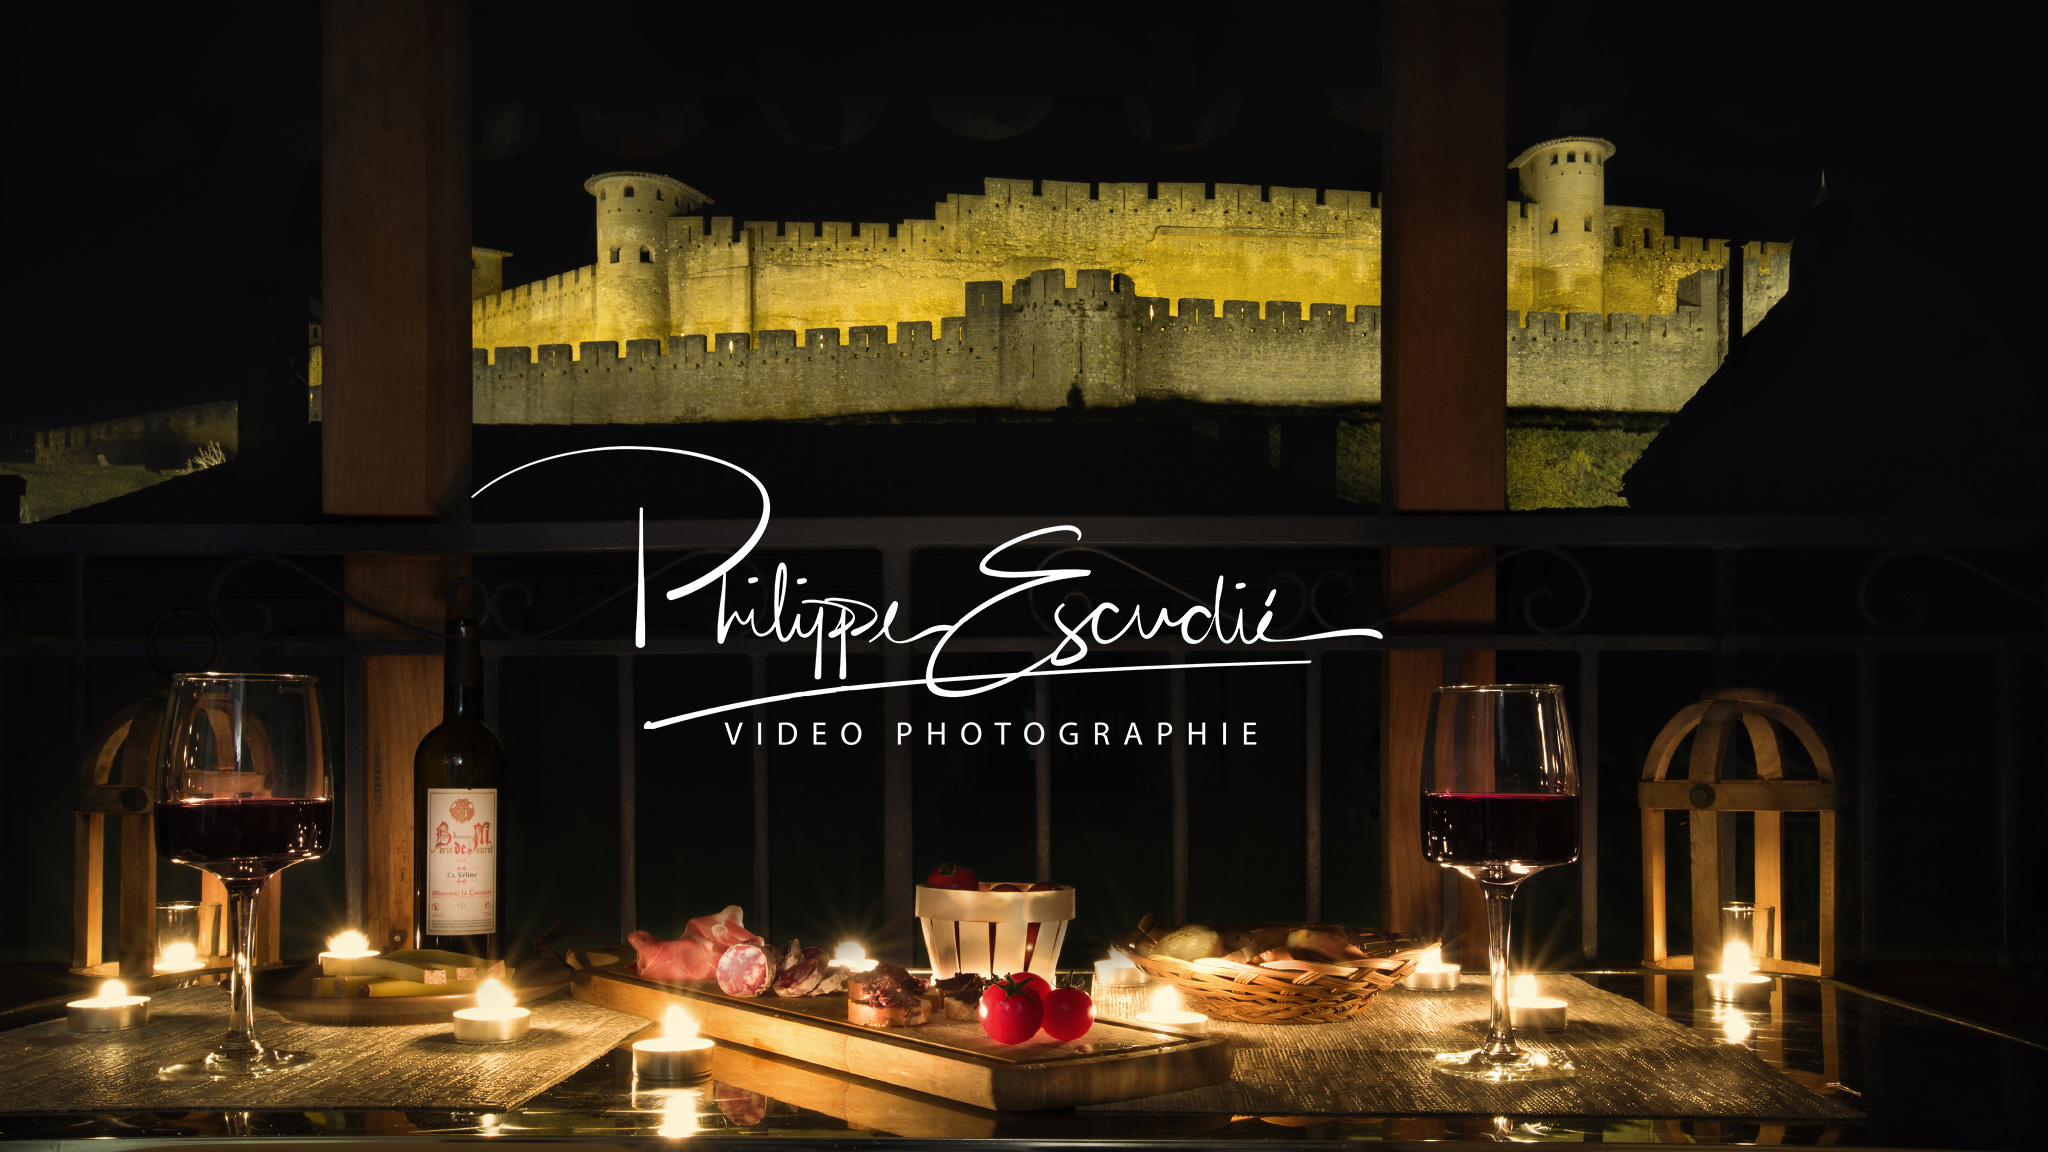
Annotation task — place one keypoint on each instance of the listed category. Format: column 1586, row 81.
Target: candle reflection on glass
column 679, row 1114
column 1167, row 1012
column 852, row 957
column 113, row 1010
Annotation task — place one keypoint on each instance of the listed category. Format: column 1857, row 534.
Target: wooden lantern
column 1713, row 802
column 117, row 782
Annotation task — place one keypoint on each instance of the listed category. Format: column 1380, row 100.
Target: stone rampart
column 1096, row 344
column 157, row 440
column 543, row 312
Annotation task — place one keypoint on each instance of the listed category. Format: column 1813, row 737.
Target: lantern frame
column 1714, row 802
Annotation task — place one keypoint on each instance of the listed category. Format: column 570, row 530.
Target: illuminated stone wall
column 1095, row 344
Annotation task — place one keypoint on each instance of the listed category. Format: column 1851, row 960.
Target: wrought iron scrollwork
column 1915, row 606
column 495, row 597
column 1530, row 601
column 220, row 579
column 156, row 627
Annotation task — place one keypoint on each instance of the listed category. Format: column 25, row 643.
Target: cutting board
column 953, row 1059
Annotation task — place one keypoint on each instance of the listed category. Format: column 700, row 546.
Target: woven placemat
column 46, row 1068
column 1630, row 1061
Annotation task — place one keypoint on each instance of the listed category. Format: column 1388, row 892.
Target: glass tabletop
column 1923, row 1079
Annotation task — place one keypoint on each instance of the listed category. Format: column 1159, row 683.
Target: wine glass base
column 222, row 1066
column 1474, row 1065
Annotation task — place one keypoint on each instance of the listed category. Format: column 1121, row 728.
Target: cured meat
column 745, row 970
column 689, row 958
column 743, row 1107
column 803, row 969
column 724, row 929
column 831, row 977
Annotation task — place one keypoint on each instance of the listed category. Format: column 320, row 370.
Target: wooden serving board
column 953, row 1059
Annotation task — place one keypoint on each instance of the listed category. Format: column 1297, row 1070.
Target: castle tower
column 632, row 251
column 1565, row 181
column 486, row 272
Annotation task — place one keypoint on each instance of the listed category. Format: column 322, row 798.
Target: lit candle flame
column 113, row 990
column 852, row 957
column 1432, row 960
column 495, row 997
column 1737, row 960
column 1118, row 960
column 349, row 943
column 1166, row 998
column 1525, row 987
column 678, row 1024
column 179, row 954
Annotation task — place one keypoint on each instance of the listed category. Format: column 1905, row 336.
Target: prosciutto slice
column 724, row 929
column 689, row 958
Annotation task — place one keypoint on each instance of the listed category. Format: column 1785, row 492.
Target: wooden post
column 1444, row 404
column 396, row 405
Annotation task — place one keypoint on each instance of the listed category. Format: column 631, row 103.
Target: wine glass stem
column 241, row 1037
column 1500, row 1037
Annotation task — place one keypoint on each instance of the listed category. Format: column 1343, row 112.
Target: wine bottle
column 458, row 783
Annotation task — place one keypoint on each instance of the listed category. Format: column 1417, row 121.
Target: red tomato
column 958, row 877
column 1010, row 1012
column 1035, row 982
column 1043, row 886
column 1069, row 1013
column 1004, row 888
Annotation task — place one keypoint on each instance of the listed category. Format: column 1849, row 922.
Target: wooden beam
column 394, row 218
column 395, row 435
column 1444, row 406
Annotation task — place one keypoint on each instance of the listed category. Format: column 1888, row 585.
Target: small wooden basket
column 1282, row 991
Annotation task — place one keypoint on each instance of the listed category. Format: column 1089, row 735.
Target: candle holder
column 496, row 1019
column 1118, row 972
column 1432, row 974
column 667, row 1060
column 187, row 935
column 1739, row 987
column 1529, row 1009
column 113, row 1010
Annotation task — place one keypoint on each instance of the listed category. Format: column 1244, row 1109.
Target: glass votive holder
column 187, row 935
column 1753, row 925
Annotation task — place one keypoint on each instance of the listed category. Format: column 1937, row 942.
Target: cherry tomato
column 1035, row 982
column 957, row 877
column 1069, row 1013
column 1011, row 1012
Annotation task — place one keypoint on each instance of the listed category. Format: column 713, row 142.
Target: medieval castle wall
column 1095, row 343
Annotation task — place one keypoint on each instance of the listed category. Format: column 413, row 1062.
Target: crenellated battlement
column 1092, row 342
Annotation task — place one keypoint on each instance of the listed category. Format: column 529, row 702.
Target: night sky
column 191, row 139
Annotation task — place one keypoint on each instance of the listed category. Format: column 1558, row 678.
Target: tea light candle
column 496, row 1019
column 1168, row 1013
column 1432, row 974
column 1118, row 971
column 678, row 1054
column 1738, row 981
column 1530, row 1009
column 113, row 1010
column 852, row 957
column 179, row 956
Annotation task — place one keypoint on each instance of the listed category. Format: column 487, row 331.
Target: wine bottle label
column 461, row 828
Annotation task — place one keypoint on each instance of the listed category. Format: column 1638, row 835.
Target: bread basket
column 1280, row 991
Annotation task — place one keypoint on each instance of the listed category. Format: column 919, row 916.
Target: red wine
column 458, row 803
column 247, row 838
column 1527, row 830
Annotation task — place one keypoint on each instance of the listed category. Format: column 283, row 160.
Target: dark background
column 166, row 211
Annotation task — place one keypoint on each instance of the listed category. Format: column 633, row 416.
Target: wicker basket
column 1283, row 991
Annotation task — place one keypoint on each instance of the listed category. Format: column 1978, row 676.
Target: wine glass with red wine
column 243, row 792
column 1500, row 803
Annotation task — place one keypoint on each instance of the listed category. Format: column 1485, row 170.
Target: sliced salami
column 745, row 970
column 802, row 969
